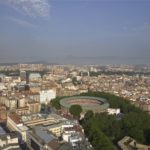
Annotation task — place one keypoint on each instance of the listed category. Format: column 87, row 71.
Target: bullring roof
column 102, row 105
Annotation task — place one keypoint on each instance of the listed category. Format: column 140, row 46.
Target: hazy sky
column 91, row 31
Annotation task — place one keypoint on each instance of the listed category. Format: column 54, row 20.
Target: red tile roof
column 15, row 118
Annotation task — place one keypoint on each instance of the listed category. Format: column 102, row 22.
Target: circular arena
column 86, row 102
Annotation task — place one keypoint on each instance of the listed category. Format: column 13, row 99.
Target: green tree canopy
column 133, row 122
column 75, row 110
column 55, row 103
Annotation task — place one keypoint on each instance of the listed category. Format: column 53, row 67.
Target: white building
column 2, row 87
column 34, row 77
column 47, row 95
column 6, row 140
column 75, row 139
column 112, row 111
column 10, row 102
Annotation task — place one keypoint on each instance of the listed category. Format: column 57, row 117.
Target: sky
column 75, row 31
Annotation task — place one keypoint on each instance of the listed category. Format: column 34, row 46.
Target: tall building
column 23, row 75
column 47, row 95
column 34, row 107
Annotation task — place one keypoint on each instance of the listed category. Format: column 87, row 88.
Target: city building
column 34, row 107
column 41, row 119
column 47, row 95
column 9, row 142
column 3, row 113
column 129, row 143
column 112, row 111
column 56, row 129
column 23, row 75
column 39, row 138
column 75, row 139
column 34, row 88
column 34, row 77
column 14, row 123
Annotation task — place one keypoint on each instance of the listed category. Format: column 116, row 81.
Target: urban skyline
column 77, row 31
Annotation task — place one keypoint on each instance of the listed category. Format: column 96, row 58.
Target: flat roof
column 23, row 128
column 39, row 116
column 15, row 118
column 43, row 134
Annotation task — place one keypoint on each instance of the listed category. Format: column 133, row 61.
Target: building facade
column 47, row 95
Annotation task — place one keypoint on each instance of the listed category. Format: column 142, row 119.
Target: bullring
column 95, row 104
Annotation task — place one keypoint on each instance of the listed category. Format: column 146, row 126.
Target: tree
column 55, row 103
column 134, row 122
column 89, row 114
column 75, row 110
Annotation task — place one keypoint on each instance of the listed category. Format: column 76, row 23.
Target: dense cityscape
column 34, row 113
column 74, row 74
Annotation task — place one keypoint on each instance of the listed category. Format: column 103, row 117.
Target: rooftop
column 23, row 128
column 43, row 134
column 15, row 118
